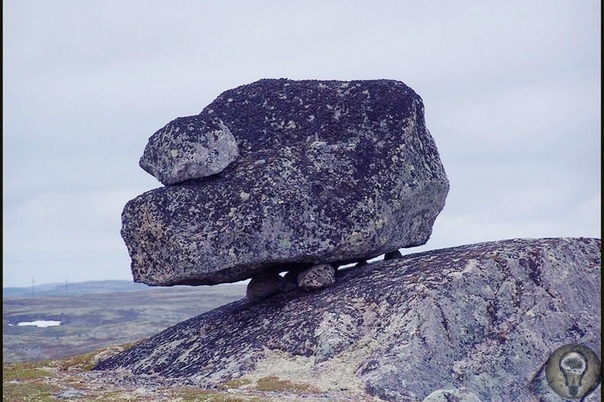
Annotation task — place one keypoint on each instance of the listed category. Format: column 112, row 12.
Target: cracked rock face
column 322, row 172
column 476, row 322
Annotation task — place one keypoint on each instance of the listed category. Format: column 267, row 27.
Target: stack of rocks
column 284, row 181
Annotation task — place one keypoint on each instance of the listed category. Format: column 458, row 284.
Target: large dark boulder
column 477, row 322
column 326, row 172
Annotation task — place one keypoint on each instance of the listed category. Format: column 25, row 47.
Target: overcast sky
column 512, row 95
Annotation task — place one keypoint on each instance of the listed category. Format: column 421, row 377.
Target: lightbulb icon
column 573, row 371
column 573, row 366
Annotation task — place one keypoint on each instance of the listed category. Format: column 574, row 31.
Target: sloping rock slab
column 482, row 319
column 327, row 172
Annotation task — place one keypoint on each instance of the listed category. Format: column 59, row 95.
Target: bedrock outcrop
column 478, row 322
column 322, row 172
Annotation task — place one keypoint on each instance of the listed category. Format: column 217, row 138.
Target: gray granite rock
column 265, row 284
column 189, row 148
column 482, row 318
column 327, row 172
column 317, row 277
column 451, row 395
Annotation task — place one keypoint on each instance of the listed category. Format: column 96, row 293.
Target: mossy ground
column 273, row 383
column 43, row 381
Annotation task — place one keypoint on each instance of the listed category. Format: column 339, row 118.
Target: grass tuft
column 200, row 395
column 24, row 382
column 275, row 384
column 235, row 383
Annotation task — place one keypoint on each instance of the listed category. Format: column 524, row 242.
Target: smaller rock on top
column 189, row 148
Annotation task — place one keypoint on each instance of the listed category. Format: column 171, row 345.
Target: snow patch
column 38, row 323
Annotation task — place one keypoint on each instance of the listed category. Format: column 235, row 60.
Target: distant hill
column 97, row 314
column 75, row 288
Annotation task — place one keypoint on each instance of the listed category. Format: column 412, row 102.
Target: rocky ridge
column 478, row 320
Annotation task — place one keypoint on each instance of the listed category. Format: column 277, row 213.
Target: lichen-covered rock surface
column 478, row 321
column 189, row 148
column 325, row 172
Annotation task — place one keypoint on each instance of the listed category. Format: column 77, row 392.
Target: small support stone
column 317, row 277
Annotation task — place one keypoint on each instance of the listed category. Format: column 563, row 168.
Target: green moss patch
column 275, row 384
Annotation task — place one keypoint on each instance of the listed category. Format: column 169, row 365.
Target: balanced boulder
column 322, row 172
